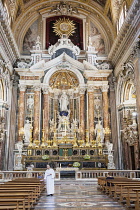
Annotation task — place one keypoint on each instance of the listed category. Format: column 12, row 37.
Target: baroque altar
column 63, row 106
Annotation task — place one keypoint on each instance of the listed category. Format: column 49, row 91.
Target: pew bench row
column 126, row 191
column 20, row 193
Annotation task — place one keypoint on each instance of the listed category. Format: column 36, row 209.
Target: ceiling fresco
column 101, row 2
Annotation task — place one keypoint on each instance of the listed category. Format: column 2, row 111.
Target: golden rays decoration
column 64, row 79
column 64, row 26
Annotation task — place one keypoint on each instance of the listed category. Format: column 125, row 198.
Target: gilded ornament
column 64, row 26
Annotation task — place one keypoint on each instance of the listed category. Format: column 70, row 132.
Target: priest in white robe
column 49, row 179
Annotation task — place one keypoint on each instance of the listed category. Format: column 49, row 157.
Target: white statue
column 27, row 131
column 109, row 147
column 63, row 123
column 19, row 147
column 30, row 170
column 18, row 157
column 52, row 125
column 97, row 103
column 111, row 164
column 64, row 102
column 30, row 103
column 74, row 125
column 99, row 132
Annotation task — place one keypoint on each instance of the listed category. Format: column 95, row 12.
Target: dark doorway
column 132, row 157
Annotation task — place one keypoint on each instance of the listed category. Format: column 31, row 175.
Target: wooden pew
column 125, row 190
column 20, row 193
column 13, row 203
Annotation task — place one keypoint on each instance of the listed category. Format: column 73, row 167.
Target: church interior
column 69, row 104
column 69, row 84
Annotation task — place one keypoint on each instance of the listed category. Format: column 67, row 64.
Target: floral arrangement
column 76, row 164
column 45, row 157
column 86, row 157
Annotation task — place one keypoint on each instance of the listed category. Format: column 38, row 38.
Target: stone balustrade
column 79, row 174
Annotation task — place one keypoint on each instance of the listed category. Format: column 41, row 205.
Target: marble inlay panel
column 80, row 196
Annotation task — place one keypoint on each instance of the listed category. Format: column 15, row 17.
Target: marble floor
column 77, row 195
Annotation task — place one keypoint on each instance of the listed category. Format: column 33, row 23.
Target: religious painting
column 96, row 39
column 30, row 38
column 52, row 37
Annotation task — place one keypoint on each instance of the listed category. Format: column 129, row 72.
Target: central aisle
column 77, row 195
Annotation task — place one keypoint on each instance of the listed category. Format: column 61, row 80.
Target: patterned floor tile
column 79, row 196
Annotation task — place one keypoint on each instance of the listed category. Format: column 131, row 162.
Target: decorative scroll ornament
column 12, row 6
column 64, row 9
column 64, row 26
column 130, row 133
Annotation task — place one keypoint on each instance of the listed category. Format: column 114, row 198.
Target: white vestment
column 49, row 178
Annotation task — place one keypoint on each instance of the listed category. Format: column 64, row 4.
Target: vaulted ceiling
column 103, row 13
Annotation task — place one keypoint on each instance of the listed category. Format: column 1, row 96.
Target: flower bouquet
column 86, row 157
column 76, row 164
column 45, row 157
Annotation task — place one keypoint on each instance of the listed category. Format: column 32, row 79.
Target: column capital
column 22, row 87
column 82, row 90
column 105, row 88
column 90, row 88
column 45, row 90
column 37, row 88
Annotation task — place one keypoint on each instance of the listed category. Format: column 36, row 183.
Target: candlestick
column 43, row 118
column 65, row 128
column 55, row 116
column 31, row 116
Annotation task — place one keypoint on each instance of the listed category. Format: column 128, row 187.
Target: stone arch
column 30, row 15
column 52, row 71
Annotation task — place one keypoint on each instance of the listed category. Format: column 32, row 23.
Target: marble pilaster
column 82, row 117
column 136, row 62
column 55, row 110
column 104, row 89
column 91, row 111
column 21, row 110
column 136, row 152
column 36, row 113
column 72, row 111
column 46, row 112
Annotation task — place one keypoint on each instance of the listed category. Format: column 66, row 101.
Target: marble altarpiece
column 63, row 114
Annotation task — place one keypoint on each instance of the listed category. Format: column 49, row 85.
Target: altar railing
column 79, row 174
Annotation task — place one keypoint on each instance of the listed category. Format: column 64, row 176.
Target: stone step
column 76, row 182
